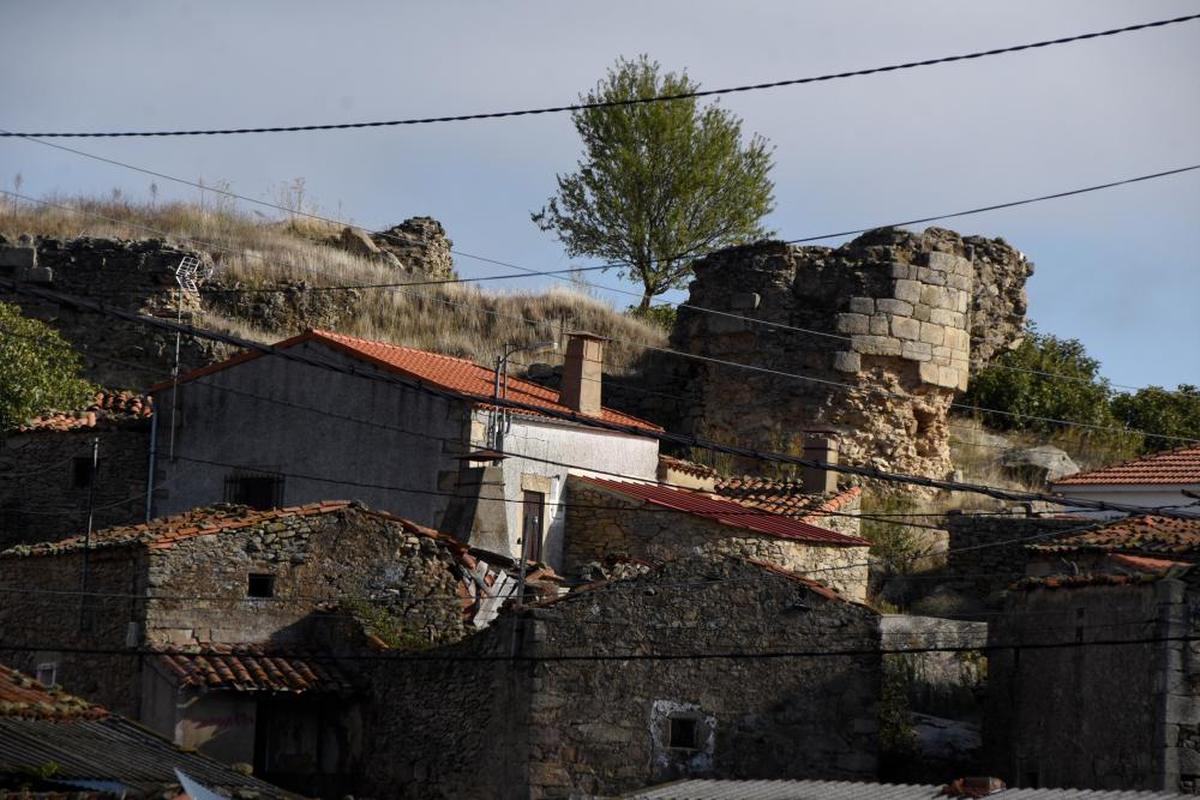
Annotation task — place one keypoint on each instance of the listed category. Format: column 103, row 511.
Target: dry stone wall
column 884, row 329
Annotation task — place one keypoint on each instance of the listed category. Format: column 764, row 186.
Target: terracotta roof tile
column 727, row 512
column 1147, row 535
column 107, row 408
column 1087, row 579
column 687, row 467
column 1179, row 466
column 257, row 668
column 1144, row 564
column 22, row 697
column 784, row 497
column 458, row 375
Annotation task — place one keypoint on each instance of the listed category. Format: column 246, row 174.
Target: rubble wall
column 884, row 330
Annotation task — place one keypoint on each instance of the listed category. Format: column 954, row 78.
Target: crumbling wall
column 884, row 330
column 137, row 276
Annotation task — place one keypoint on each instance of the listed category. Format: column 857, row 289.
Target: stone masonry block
column 879, row 325
column 948, row 377
column 876, row 345
column 957, row 339
column 927, row 275
column 929, row 372
column 862, row 305
column 852, row 323
column 846, row 361
column 948, row 318
column 931, row 333
column 963, row 282
column 947, row 262
column 916, row 351
column 921, row 313
column 933, row 296
column 942, row 352
column 890, row 306
column 905, row 328
column 908, row 291
column 903, row 271
column 962, row 302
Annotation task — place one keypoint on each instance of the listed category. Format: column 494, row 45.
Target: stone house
column 1128, row 543
column 1158, row 480
column 92, row 748
column 654, row 522
column 46, row 469
column 1093, row 679
column 217, row 627
column 703, row 666
column 269, row 431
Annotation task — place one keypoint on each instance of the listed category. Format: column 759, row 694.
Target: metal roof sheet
column 853, row 790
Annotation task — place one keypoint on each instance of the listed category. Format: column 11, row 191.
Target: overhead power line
column 699, row 442
column 751, row 87
column 664, row 350
column 570, row 275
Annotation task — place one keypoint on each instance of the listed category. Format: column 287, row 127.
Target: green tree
column 658, row 183
column 1156, row 410
column 1044, row 377
column 39, row 371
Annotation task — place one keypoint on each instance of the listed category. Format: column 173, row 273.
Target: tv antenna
column 188, row 274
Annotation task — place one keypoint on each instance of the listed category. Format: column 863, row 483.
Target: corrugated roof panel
column 853, row 790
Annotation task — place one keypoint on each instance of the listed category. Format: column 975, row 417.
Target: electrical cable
column 632, row 102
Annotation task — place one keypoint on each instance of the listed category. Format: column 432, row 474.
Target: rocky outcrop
column 883, row 331
column 417, row 245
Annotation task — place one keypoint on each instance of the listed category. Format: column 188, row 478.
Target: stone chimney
column 813, row 479
column 582, row 373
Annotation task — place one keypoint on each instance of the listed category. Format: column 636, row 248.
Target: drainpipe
column 150, row 469
column 87, row 539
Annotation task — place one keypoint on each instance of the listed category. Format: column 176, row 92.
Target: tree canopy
column 658, row 183
column 39, row 370
column 1158, row 410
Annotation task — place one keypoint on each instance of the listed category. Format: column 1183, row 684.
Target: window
column 81, row 472
column 533, row 509
column 47, row 673
column 261, row 490
column 681, row 733
column 260, row 585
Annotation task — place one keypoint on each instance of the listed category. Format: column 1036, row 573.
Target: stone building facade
column 217, row 628
column 46, row 470
column 607, row 519
column 899, row 319
column 603, row 697
column 990, row 551
column 1084, row 709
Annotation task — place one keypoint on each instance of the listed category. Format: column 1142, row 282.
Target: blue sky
column 1116, row 269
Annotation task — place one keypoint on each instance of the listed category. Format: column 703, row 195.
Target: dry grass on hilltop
column 254, row 251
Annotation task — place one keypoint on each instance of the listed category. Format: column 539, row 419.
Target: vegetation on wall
column 39, row 370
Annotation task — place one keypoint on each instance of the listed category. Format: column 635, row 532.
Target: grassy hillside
column 255, row 251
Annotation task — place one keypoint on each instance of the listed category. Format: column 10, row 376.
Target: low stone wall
column 600, row 524
column 944, row 684
column 987, row 551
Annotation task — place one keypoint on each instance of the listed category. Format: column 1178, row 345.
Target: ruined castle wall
column 883, row 330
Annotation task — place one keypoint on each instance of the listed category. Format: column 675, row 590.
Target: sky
column 1118, row 269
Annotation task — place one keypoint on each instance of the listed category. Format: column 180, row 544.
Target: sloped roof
column 710, row 789
column 1171, row 467
column 1147, row 535
column 726, row 512
column 106, row 409
column 784, row 497
column 458, row 375
column 40, row 726
column 257, row 668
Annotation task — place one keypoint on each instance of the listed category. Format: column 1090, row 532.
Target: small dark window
column 257, row 490
column 682, row 733
column 260, row 585
column 81, row 472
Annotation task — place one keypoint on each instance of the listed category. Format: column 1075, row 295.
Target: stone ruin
column 417, row 245
column 885, row 330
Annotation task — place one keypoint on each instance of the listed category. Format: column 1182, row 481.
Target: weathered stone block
column 949, row 318
column 890, row 306
column 908, row 291
column 927, row 275
column 879, row 325
column 862, row 305
column 948, row 262
column 852, row 323
column 949, row 377
column 903, row 271
column 928, row 372
column 916, row 351
column 934, row 296
column 846, row 361
column 931, row 333
column 957, row 339
column 906, row 328
column 876, row 345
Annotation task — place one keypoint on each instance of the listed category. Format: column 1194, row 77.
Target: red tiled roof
column 22, row 697
column 816, row 586
column 1143, row 564
column 1179, row 466
column 255, row 668
column 784, row 497
column 687, row 467
column 1145, row 534
column 106, row 407
column 726, row 512
column 457, row 375
column 1087, row 579
column 163, row 532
